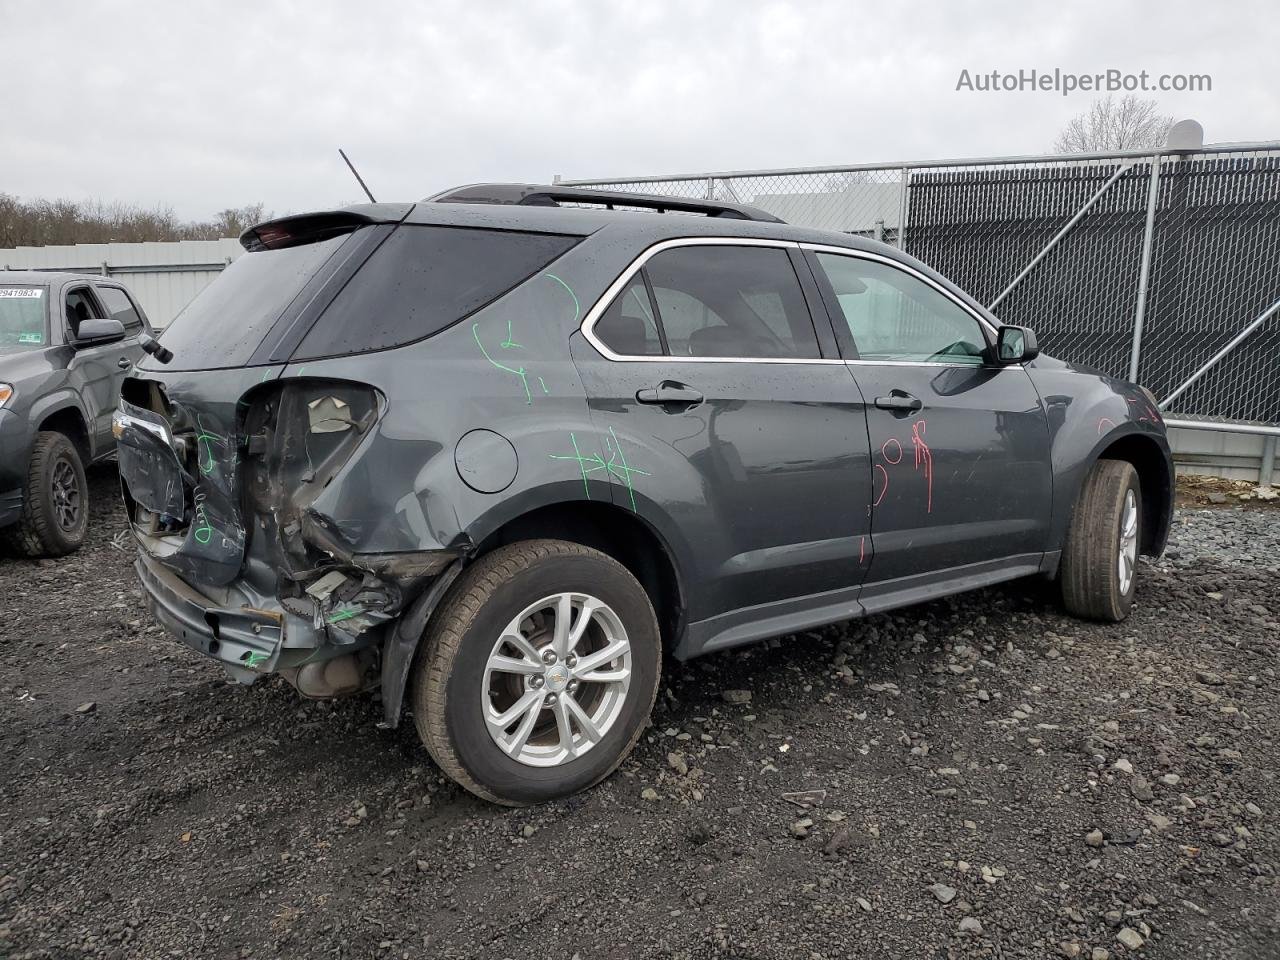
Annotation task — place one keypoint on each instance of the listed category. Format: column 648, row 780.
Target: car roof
column 52, row 277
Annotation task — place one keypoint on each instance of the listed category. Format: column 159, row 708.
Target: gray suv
column 495, row 453
column 66, row 342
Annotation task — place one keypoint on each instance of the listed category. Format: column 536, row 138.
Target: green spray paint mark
column 205, row 441
column 254, row 659
column 342, row 615
column 624, row 471
column 508, row 343
column 577, row 310
column 524, row 377
column 543, row 384
column 595, row 460
column 204, row 532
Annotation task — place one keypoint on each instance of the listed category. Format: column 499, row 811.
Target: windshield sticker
column 34, row 337
column 21, row 293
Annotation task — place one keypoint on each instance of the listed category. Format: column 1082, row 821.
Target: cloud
column 203, row 107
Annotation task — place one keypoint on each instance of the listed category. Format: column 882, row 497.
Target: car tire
column 463, row 683
column 55, row 500
column 1099, row 561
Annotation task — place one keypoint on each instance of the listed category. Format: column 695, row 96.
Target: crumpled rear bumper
column 246, row 641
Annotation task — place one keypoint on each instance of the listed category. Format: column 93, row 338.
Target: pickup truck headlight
column 6, row 391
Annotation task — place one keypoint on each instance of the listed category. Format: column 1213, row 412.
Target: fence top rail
column 1263, row 146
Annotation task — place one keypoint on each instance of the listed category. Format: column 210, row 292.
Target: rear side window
column 629, row 326
column 423, row 279
column 227, row 321
column 120, row 307
column 723, row 301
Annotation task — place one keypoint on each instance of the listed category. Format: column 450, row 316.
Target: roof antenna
column 359, row 178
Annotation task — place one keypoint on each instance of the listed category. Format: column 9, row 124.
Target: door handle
column 668, row 391
column 124, row 363
column 899, row 401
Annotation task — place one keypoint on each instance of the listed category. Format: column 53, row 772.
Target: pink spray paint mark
column 1102, row 420
column 885, row 489
column 884, row 451
column 862, row 549
column 924, row 457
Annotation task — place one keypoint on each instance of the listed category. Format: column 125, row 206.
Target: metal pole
column 902, row 210
column 711, row 188
column 1056, row 158
column 1060, row 234
column 1267, row 472
column 1140, row 312
column 1213, row 361
column 1216, row 426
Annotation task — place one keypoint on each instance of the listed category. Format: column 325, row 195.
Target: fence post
column 711, row 188
column 106, row 270
column 1144, row 272
column 902, row 210
column 1266, row 473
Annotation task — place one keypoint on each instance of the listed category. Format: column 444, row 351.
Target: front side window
column 724, row 301
column 80, row 307
column 120, row 307
column 22, row 318
column 893, row 315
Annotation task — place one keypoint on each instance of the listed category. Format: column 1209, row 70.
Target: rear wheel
column 538, row 673
column 55, row 501
column 1100, row 560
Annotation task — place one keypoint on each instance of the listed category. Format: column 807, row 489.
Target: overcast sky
column 204, row 106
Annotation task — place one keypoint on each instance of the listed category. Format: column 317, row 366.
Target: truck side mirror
column 94, row 331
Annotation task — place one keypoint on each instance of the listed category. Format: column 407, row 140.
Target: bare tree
column 39, row 223
column 1129, row 123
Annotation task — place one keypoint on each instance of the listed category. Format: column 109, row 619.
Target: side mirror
column 94, row 331
column 1016, row 345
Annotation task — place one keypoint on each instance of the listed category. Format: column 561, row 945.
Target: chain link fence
column 1160, row 267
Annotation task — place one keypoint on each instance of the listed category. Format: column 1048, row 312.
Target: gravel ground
column 1000, row 781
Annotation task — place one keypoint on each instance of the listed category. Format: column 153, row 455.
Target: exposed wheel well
column 613, row 531
column 68, row 422
column 1157, row 486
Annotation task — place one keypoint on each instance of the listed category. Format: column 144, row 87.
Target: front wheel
column 538, row 673
column 1100, row 559
column 55, row 500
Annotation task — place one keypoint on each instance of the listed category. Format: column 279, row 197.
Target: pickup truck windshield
column 23, row 318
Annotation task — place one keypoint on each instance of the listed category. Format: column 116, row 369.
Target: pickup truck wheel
column 1100, row 561
column 55, row 500
column 538, row 673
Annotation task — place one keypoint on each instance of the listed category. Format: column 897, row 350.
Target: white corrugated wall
column 164, row 276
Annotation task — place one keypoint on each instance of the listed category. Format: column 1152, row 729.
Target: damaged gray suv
column 496, row 452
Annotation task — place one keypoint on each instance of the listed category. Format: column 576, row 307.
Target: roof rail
column 552, row 195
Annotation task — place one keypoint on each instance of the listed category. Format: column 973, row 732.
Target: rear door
column 959, row 447
column 723, row 425
column 120, row 306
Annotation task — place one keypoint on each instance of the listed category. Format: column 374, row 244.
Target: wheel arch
column 612, row 530
column 69, row 421
column 616, row 532
column 1154, row 466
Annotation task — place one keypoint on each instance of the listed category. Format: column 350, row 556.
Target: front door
column 92, row 371
column 721, row 424
column 959, row 446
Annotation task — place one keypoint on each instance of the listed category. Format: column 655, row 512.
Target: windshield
column 23, row 318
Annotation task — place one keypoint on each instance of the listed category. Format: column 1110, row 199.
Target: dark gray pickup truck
column 66, row 342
